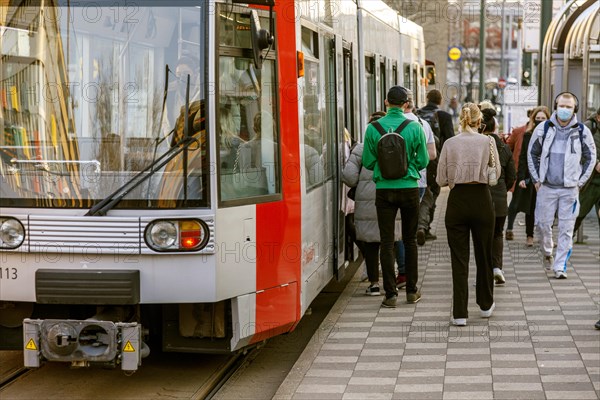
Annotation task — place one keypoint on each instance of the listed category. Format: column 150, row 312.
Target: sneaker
column 488, row 313
column 459, row 321
column 373, row 290
column 548, row 262
column 499, row 277
column 390, row 302
column 420, row 237
column 509, row 235
column 560, row 275
column 430, row 236
column 412, row 298
column 597, row 325
column 529, row 242
column 400, row 281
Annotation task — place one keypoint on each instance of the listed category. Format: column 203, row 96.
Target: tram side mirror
column 261, row 39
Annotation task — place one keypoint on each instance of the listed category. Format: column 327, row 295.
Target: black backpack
column 432, row 119
column 391, row 151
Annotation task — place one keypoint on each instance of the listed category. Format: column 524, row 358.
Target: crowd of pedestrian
column 550, row 164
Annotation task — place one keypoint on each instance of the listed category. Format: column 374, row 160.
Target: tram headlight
column 177, row 235
column 161, row 235
column 12, row 233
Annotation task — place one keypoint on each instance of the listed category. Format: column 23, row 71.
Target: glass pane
column 329, row 112
column 371, row 92
column 247, row 142
column 86, row 104
column 313, row 133
column 593, row 100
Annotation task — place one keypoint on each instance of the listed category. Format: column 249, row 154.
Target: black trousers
column 371, row 253
column 388, row 202
column 470, row 211
column 498, row 243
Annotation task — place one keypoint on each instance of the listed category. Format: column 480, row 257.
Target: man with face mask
column 560, row 157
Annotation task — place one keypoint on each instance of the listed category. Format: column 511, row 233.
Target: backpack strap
column 402, row 126
column 379, row 128
column 548, row 124
column 399, row 129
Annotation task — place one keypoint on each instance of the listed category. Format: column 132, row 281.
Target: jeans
column 388, row 202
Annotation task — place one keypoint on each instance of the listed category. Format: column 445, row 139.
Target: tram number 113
column 8, row 273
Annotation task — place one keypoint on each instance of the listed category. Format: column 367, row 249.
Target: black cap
column 397, row 95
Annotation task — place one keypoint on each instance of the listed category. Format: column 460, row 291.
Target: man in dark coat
column 441, row 124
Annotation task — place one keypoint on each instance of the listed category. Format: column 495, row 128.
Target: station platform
column 540, row 342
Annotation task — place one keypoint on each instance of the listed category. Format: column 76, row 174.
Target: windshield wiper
column 109, row 202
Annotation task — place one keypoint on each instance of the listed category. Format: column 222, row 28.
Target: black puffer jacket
column 506, row 180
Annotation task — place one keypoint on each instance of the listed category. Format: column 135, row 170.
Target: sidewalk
column 539, row 344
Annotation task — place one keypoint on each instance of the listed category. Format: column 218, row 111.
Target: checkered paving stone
column 539, row 344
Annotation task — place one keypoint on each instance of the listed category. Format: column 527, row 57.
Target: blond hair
column 470, row 115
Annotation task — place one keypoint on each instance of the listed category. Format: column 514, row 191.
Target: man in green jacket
column 402, row 194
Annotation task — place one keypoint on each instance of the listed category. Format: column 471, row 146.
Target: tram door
column 342, row 140
column 350, row 123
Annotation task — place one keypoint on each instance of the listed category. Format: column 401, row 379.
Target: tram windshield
column 92, row 93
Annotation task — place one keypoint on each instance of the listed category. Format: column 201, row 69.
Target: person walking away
column 399, row 193
column 499, row 191
column 463, row 166
column 561, row 158
column 365, row 213
column 432, row 153
column 514, row 142
column 443, row 129
column 525, row 194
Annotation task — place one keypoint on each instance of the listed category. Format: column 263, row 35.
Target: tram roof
column 575, row 28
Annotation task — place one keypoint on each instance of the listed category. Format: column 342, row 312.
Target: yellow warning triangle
column 31, row 345
column 128, row 347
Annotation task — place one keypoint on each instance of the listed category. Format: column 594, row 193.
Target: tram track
column 217, row 380
column 13, row 376
column 183, row 376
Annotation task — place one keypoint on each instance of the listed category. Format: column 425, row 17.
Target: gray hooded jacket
column 365, row 213
column 576, row 155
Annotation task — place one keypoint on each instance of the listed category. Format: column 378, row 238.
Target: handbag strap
column 492, row 158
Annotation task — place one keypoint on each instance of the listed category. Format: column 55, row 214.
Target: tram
column 570, row 60
column 169, row 170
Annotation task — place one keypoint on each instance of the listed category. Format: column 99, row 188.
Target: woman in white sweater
column 463, row 166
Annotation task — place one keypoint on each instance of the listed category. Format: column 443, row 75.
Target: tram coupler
column 83, row 343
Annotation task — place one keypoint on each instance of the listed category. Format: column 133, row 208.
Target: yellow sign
column 128, row 347
column 454, row 53
column 31, row 345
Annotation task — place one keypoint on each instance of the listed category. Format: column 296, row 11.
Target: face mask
column 538, row 121
column 564, row 114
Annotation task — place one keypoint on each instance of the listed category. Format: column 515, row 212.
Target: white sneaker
column 560, row 275
column 459, row 321
column 499, row 277
column 488, row 313
column 373, row 290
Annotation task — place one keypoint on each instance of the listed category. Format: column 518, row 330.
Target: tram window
column 111, row 122
column 382, row 83
column 313, row 132
column 371, row 91
column 407, row 80
column 593, row 80
column 246, row 129
column 329, row 113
